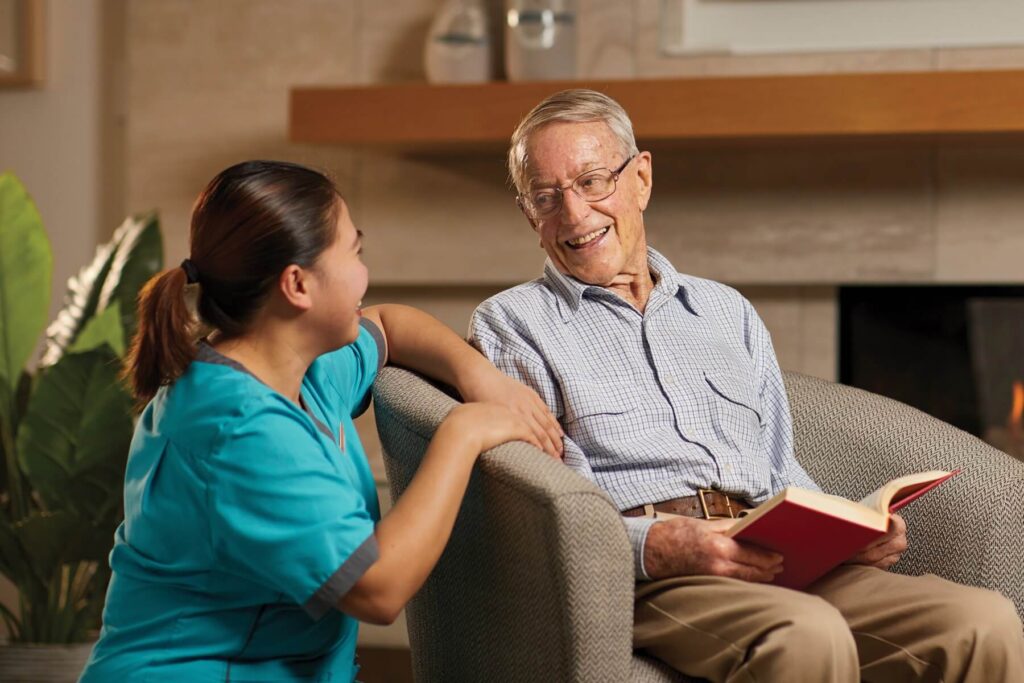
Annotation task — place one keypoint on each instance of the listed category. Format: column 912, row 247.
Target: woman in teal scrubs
column 252, row 541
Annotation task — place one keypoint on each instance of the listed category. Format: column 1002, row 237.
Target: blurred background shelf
column 766, row 109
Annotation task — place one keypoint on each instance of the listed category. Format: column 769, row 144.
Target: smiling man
column 672, row 401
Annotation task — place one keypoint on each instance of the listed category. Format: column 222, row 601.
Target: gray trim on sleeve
column 378, row 337
column 341, row 581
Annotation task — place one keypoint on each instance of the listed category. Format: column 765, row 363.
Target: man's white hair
column 577, row 106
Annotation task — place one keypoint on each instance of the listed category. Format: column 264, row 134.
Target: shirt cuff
column 378, row 339
column 341, row 581
column 636, row 529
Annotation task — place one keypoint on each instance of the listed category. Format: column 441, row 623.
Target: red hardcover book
column 814, row 531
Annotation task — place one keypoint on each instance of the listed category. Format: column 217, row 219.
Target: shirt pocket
column 599, row 414
column 735, row 414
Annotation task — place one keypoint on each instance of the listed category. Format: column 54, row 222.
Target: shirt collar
column 570, row 291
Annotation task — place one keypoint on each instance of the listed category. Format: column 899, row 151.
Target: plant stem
column 19, row 505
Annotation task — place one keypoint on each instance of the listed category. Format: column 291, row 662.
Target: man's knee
column 988, row 617
column 809, row 632
column 982, row 612
column 812, row 619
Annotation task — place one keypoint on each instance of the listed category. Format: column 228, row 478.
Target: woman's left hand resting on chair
column 413, row 534
column 417, row 341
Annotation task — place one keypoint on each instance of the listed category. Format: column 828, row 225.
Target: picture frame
column 21, row 43
column 753, row 27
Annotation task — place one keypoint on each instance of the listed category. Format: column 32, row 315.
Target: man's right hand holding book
column 688, row 546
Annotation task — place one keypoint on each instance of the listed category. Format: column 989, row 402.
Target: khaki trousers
column 856, row 623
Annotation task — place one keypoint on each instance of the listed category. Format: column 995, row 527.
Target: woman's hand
column 501, row 389
column 487, row 425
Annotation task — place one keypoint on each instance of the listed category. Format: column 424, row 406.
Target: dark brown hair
column 252, row 221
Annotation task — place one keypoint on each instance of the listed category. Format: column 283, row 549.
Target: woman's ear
column 294, row 285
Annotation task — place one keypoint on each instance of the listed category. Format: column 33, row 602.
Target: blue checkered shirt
column 686, row 395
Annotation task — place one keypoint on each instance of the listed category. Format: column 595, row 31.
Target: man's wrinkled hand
column 885, row 551
column 684, row 546
column 524, row 402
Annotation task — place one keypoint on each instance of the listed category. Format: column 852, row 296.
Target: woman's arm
column 422, row 343
column 413, row 534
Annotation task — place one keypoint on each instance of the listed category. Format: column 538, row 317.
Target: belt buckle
column 704, row 505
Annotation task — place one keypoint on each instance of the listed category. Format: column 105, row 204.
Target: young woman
column 252, row 540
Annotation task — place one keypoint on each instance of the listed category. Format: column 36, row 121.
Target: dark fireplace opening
column 955, row 352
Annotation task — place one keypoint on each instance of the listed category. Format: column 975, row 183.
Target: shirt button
column 728, row 469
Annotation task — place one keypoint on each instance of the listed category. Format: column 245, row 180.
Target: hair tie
column 191, row 272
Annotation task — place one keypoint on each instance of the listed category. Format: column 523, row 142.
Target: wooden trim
column 691, row 110
column 31, row 48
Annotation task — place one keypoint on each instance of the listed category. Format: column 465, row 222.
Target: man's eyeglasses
column 592, row 186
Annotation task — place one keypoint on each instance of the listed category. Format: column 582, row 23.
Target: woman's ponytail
column 164, row 342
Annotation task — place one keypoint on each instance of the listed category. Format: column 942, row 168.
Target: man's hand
column 494, row 387
column 684, row 546
column 884, row 552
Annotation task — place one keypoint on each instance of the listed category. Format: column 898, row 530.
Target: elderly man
column 671, row 399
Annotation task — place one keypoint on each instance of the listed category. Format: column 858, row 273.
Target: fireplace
column 955, row 352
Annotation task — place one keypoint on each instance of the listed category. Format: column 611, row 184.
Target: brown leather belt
column 707, row 504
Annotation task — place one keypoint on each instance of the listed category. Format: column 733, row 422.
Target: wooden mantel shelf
column 691, row 110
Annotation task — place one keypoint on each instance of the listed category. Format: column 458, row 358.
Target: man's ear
column 644, row 179
column 294, row 284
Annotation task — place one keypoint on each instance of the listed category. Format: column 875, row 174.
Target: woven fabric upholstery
column 970, row 530
column 536, row 582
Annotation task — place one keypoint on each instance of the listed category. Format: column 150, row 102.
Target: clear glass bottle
column 458, row 48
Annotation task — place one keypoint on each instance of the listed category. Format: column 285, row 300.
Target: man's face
column 598, row 243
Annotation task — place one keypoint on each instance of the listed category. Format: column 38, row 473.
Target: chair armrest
column 536, row 582
column 971, row 529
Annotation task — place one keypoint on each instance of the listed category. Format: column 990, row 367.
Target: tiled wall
column 208, row 85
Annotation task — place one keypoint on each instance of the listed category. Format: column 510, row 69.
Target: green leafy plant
column 65, row 427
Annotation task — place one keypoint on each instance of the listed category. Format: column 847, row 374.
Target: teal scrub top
column 247, row 517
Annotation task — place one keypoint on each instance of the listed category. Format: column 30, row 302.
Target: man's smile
column 589, row 240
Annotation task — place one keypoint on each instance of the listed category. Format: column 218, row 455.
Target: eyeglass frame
column 521, row 200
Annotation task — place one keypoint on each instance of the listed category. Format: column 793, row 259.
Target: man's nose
column 574, row 208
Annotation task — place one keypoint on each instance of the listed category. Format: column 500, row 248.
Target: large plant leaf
column 117, row 272
column 103, row 328
column 26, row 268
column 74, row 439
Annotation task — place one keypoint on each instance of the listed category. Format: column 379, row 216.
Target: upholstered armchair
column 536, row 583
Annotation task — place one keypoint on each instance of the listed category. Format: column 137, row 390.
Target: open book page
column 900, row 491
column 837, row 506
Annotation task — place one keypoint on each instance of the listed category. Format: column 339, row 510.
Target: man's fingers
column 757, row 558
column 746, row 572
column 751, row 555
